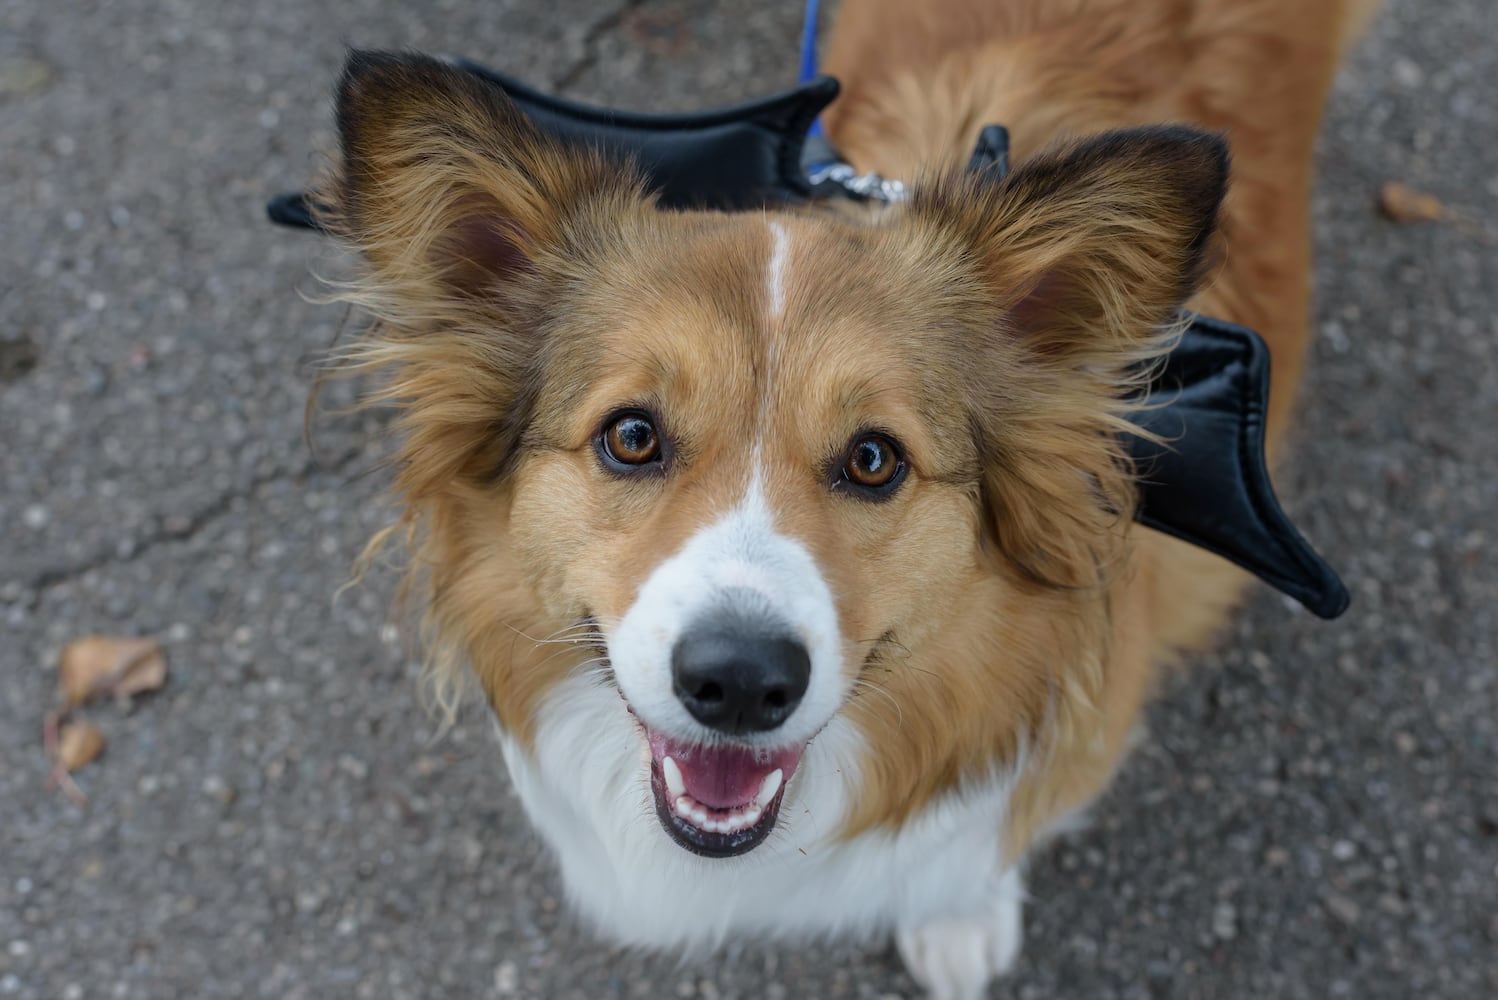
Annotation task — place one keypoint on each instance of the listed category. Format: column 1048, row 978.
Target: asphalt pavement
column 1315, row 813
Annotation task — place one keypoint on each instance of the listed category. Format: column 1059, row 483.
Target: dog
column 793, row 550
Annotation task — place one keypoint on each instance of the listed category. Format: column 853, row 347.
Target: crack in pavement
column 171, row 528
column 608, row 22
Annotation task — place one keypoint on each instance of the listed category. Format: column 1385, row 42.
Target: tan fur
column 1002, row 601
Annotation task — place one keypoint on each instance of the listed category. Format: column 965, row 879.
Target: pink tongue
column 724, row 777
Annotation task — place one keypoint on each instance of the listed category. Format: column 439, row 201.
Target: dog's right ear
column 467, row 218
column 447, row 188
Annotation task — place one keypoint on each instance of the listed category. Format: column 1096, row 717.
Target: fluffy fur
column 982, row 638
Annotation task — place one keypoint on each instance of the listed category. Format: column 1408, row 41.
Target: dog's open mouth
column 718, row 801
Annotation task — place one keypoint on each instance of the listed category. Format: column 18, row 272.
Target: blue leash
column 809, row 52
column 823, row 164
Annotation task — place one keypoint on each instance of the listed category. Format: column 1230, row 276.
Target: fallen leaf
column 21, row 75
column 79, row 743
column 97, row 665
column 1402, row 203
column 70, row 746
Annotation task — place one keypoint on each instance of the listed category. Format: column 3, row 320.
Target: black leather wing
column 1207, row 484
column 732, row 159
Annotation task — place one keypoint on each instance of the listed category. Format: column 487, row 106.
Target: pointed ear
column 446, row 187
column 467, row 217
column 1090, row 247
column 1083, row 255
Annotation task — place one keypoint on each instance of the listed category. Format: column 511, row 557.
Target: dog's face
column 759, row 471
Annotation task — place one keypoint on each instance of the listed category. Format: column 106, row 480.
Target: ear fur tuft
column 1086, row 252
column 446, row 186
column 468, row 220
column 1091, row 246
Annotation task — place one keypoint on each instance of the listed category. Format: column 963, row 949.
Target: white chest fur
column 586, row 789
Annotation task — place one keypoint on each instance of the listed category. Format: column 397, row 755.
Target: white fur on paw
column 956, row 959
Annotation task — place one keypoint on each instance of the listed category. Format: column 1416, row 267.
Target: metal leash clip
column 865, row 187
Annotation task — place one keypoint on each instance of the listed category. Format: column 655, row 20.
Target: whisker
column 864, row 684
column 585, row 632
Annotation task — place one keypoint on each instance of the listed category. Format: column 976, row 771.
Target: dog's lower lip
column 719, row 800
column 749, row 825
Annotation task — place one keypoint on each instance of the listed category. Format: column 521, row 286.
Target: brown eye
column 630, row 440
column 874, row 465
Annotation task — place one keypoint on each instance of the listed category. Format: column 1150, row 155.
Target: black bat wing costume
column 1207, row 484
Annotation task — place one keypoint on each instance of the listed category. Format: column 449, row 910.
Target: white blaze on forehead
column 780, row 252
column 775, row 274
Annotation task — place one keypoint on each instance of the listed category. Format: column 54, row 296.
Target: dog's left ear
column 1083, row 254
column 1091, row 247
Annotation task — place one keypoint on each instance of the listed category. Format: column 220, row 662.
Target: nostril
column 708, row 694
column 776, row 698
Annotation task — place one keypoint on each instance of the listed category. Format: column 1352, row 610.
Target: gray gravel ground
column 1316, row 814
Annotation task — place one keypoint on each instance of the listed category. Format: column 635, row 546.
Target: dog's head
column 760, row 471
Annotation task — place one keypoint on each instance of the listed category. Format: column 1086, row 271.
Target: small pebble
column 1225, row 921
column 506, row 979
column 1408, row 73
column 1343, row 908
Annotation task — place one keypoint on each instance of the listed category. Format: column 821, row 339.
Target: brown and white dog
column 793, row 549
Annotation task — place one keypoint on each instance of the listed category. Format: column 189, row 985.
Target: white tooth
column 751, row 816
column 769, row 788
column 674, row 785
column 713, row 826
column 699, row 817
column 684, row 807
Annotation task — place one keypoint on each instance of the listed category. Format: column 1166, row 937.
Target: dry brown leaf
column 78, row 744
column 1402, row 203
column 100, row 665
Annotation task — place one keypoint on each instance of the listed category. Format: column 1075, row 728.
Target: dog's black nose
column 738, row 683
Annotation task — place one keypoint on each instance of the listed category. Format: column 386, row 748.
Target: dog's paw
column 956, row 958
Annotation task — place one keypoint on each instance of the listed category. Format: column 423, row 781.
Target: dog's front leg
column 955, row 958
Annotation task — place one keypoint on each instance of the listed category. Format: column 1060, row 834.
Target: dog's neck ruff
column 1208, row 485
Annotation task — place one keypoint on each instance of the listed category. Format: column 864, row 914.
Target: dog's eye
column 629, row 440
column 873, row 466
